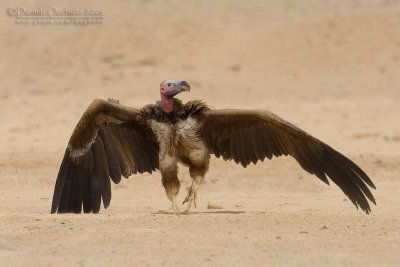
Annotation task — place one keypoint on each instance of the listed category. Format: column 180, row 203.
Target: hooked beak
column 179, row 86
column 185, row 86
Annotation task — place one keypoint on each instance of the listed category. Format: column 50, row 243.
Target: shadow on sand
column 168, row 212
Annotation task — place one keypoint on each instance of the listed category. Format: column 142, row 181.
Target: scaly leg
column 197, row 170
column 174, row 206
column 191, row 197
column 169, row 175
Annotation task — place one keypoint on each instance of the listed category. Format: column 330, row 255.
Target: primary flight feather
column 112, row 140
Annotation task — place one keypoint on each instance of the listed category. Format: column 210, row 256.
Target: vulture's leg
column 169, row 175
column 174, row 206
column 197, row 172
column 192, row 194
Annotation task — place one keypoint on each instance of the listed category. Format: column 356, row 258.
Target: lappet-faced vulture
column 111, row 140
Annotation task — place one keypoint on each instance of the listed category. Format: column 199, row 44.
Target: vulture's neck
column 167, row 103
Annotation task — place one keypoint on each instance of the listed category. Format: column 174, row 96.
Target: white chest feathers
column 180, row 137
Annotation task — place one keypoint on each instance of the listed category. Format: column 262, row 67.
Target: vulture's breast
column 180, row 139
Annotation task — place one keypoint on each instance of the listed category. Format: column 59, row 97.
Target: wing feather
column 129, row 146
column 119, row 150
column 113, row 159
column 253, row 135
column 257, row 143
column 78, row 199
column 110, row 140
column 102, row 171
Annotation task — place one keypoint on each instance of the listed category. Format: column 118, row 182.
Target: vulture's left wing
column 251, row 135
column 110, row 140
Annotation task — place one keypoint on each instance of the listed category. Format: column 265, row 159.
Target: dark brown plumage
column 112, row 140
column 248, row 136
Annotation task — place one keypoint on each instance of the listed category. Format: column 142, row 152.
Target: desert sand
column 330, row 67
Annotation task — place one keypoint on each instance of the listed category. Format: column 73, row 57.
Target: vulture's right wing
column 109, row 140
column 251, row 135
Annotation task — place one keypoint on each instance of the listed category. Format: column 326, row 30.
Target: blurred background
column 331, row 67
column 339, row 59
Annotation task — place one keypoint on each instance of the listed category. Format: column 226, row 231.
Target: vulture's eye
column 169, row 84
column 162, row 88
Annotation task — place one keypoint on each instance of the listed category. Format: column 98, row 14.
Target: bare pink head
column 169, row 89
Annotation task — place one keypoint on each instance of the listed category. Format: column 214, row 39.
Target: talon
column 189, row 194
column 191, row 197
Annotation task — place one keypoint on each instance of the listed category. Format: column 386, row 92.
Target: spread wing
column 110, row 140
column 251, row 135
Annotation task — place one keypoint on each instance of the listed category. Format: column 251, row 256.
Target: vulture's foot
column 191, row 197
column 174, row 206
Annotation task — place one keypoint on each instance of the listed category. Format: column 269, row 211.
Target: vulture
column 112, row 140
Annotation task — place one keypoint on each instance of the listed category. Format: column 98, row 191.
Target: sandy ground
column 330, row 67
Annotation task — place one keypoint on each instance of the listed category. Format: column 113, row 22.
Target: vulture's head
column 169, row 89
